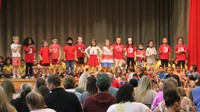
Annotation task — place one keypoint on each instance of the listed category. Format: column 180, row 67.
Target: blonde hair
column 82, row 83
column 144, row 85
column 15, row 37
column 5, row 105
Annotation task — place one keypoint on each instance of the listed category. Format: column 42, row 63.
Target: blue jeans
column 70, row 65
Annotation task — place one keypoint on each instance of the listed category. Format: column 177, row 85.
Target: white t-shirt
column 44, row 110
column 128, row 107
column 15, row 54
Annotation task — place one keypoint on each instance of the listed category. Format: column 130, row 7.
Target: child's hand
column 41, row 58
column 19, row 46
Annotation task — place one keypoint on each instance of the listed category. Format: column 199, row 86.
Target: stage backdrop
column 100, row 19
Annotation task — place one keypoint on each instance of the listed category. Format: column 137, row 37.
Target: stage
column 18, row 82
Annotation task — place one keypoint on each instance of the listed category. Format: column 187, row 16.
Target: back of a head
column 83, row 80
column 170, row 93
column 111, row 76
column 35, row 101
column 54, row 79
column 25, row 89
column 173, row 80
column 125, row 94
column 103, row 82
column 39, row 82
column 181, row 91
column 43, row 90
column 69, row 82
column 91, row 88
column 133, row 82
column 9, row 88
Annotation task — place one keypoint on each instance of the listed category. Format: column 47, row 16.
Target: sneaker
column 14, row 77
column 26, row 77
column 43, row 76
column 32, row 77
column 18, row 76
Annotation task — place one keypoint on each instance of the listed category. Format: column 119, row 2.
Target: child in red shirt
column 140, row 54
column 55, row 53
column 80, row 48
column 130, row 52
column 164, row 51
column 44, row 55
column 118, row 50
column 181, row 50
column 70, row 56
column 29, row 50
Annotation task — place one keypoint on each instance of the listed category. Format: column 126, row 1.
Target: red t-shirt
column 69, row 52
column 130, row 51
column 116, row 84
column 79, row 49
column 44, row 52
column 142, row 54
column 164, row 51
column 29, row 55
column 118, row 51
column 181, row 56
column 55, row 51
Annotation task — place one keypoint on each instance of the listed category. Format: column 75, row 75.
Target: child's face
column 141, row 47
column 80, row 40
column 164, row 41
column 54, row 41
column 191, row 68
column 45, row 44
column 150, row 44
column 130, row 42
column 69, row 41
column 169, row 71
column 178, row 68
column 8, row 61
column 192, row 84
column 180, row 41
column 85, row 60
column 161, row 69
column 1, row 60
column 29, row 41
column 22, row 63
column 118, row 40
column 35, row 62
column 107, row 43
column 160, row 85
column 16, row 40
column 93, row 43
column 150, row 71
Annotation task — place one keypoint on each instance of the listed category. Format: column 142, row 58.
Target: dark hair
column 132, row 44
column 131, row 69
column 142, row 44
column 25, row 89
column 177, row 65
column 198, row 82
column 191, row 77
column 125, row 94
column 54, row 37
column 54, row 79
column 44, row 41
column 43, row 90
column 5, row 63
column 69, row 38
column 177, row 79
column 103, row 82
column 69, row 82
column 9, row 88
column 91, row 88
column 194, row 67
column 180, row 38
column 2, row 58
column 133, row 82
column 26, row 43
column 93, row 40
column 39, row 82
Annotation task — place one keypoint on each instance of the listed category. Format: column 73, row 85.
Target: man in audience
column 101, row 101
column 193, row 71
column 59, row 99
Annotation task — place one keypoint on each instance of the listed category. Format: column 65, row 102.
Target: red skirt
column 93, row 61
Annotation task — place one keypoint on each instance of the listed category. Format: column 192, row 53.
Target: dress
column 93, row 52
column 107, row 58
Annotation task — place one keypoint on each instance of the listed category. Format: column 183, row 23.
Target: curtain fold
column 194, row 34
column 100, row 19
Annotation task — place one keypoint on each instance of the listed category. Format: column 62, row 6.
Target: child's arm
column 15, row 49
column 59, row 54
column 26, row 49
column 87, row 52
column 75, row 55
column 40, row 57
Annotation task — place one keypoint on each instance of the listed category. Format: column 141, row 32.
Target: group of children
column 79, row 58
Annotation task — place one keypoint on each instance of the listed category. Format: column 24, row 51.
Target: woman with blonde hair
column 144, row 92
column 82, row 83
column 5, row 106
column 8, row 88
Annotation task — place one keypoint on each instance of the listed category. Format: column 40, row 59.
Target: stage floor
column 19, row 82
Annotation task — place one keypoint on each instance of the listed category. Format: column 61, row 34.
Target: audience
column 36, row 103
column 100, row 101
column 82, row 82
column 9, row 88
column 125, row 101
column 39, row 82
column 196, row 95
column 59, row 99
column 112, row 90
column 43, row 90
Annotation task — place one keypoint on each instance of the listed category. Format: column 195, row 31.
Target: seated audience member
column 69, row 84
column 169, row 72
column 112, row 90
column 36, row 103
column 133, row 82
column 125, row 101
column 7, row 69
column 9, row 88
column 20, row 102
column 43, row 90
column 22, row 68
column 100, row 101
column 180, row 73
column 177, row 79
column 193, row 71
column 1, row 65
column 5, row 105
column 91, row 89
column 82, row 82
column 161, row 73
column 39, row 82
column 196, row 95
column 144, row 92
column 130, row 73
column 150, row 72
column 59, row 99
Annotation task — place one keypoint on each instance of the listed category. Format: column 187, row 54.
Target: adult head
column 9, row 88
column 103, row 82
column 125, row 94
column 53, row 81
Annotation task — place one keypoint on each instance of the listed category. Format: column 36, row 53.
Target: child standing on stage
column 164, row 51
column 118, row 50
column 44, row 55
column 130, row 53
column 92, row 54
column 181, row 50
column 107, row 58
column 140, row 55
column 29, row 50
column 151, row 54
column 70, row 54
column 80, row 47
column 16, row 56
column 55, row 53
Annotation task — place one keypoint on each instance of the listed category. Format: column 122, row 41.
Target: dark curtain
column 100, row 19
column 194, row 33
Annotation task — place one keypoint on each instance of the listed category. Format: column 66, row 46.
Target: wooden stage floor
column 19, row 82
